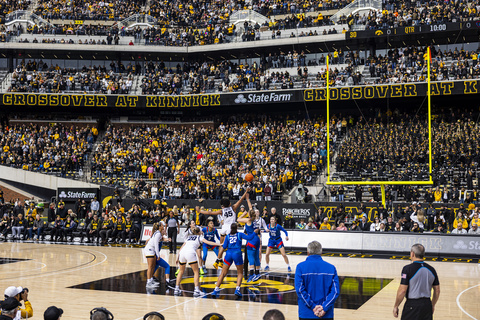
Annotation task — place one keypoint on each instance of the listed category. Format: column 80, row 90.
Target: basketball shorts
column 275, row 243
column 233, row 256
column 226, row 228
column 188, row 256
column 149, row 252
column 253, row 256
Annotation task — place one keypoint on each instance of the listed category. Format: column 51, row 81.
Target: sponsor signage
column 264, row 97
column 406, row 90
column 299, row 211
column 410, row 30
column 362, row 242
column 73, row 194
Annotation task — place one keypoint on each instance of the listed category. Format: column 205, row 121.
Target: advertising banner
column 73, row 194
column 405, row 90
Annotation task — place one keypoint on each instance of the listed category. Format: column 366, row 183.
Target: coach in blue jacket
column 317, row 286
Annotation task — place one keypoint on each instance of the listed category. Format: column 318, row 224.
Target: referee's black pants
column 417, row 309
column 172, row 234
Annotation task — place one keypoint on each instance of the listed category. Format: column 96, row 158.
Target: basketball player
column 210, row 233
column 152, row 253
column 188, row 254
column 276, row 241
column 233, row 242
column 192, row 225
column 253, row 246
column 228, row 215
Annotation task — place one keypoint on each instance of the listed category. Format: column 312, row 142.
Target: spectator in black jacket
column 289, row 222
column 56, row 231
column 19, row 226
column 364, row 225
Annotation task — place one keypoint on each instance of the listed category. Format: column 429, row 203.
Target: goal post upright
column 384, row 183
column 328, row 120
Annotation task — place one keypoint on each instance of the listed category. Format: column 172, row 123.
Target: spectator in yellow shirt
column 325, row 225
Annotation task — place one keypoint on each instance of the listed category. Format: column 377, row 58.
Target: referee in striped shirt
column 418, row 280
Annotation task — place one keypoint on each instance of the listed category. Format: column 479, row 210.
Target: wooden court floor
column 50, row 270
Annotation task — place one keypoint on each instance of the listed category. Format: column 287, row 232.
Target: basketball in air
column 249, row 177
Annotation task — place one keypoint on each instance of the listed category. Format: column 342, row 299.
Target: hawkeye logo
column 265, row 285
column 378, row 32
column 264, row 97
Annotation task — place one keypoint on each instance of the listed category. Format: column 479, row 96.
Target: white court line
column 185, row 302
column 16, row 271
column 74, row 269
column 458, row 301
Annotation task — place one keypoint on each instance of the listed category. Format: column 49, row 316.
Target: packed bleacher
column 9, row 6
column 409, row 65
column 39, row 77
column 198, row 160
column 395, row 148
column 55, row 148
column 279, row 70
column 84, row 10
column 397, row 144
column 405, row 13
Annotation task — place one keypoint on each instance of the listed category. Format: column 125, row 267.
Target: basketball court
column 78, row 278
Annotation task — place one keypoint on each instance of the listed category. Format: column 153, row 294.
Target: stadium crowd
column 406, row 13
column 409, row 65
column 9, row 6
column 207, row 162
column 38, row 77
column 399, row 65
column 85, row 10
column 397, row 144
column 46, row 148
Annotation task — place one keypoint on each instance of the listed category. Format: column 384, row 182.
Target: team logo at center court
column 262, row 285
column 240, row 99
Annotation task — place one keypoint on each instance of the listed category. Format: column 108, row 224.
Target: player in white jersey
column 152, row 253
column 188, row 254
column 189, row 231
column 228, row 214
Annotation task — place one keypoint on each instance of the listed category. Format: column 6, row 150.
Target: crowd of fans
column 38, row 77
column 397, row 144
column 46, row 148
column 396, row 66
column 117, row 10
column 415, row 218
column 208, row 162
column 409, row 65
column 406, row 13
column 228, row 76
column 9, row 6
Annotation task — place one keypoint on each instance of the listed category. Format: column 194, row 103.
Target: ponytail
column 233, row 228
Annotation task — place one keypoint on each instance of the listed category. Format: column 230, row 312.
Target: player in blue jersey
column 233, row 242
column 276, row 241
column 253, row 246
column 209, row 233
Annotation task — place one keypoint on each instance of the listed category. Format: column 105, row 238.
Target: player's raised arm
column 212, row 213
column 239, row 202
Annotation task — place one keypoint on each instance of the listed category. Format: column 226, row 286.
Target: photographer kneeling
column 20, row 294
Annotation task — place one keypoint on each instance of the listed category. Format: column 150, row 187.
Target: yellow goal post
column 383, row 183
